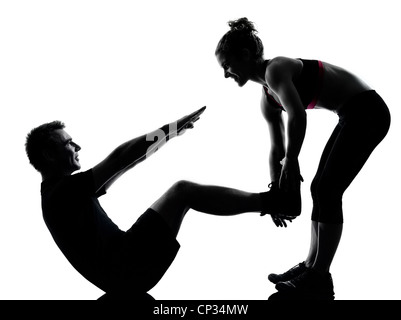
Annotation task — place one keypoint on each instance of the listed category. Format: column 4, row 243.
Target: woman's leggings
column 363, row 123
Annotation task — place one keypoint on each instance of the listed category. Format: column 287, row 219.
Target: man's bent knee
column 181, row 188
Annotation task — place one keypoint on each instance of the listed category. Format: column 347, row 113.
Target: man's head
column 51, row 150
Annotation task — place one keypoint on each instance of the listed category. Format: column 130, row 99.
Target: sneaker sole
column 298, row 296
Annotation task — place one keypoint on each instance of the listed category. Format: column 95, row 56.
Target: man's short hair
column 40, row 139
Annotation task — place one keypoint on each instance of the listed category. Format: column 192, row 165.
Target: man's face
column 65, row 154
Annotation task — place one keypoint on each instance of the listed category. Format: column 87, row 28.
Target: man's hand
column 188, row 121
column 134, row 151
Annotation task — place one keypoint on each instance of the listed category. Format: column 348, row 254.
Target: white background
column 112, row 70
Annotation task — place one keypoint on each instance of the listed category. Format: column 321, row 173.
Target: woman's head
column 242, row 35
column 238, row 50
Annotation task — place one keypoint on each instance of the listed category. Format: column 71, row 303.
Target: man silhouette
column 124, row 264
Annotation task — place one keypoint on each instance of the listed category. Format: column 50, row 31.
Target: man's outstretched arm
column 134, row 151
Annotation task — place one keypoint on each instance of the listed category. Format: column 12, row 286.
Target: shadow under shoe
column 279, row 202
column 132, row 296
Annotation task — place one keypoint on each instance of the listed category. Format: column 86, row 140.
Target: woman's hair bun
column 242, row 24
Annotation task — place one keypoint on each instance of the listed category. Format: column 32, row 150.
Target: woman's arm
column 134, row 151
column 274, row 118
column 279, row 77
column 275, row 122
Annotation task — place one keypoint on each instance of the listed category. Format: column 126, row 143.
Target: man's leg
column 185, row 195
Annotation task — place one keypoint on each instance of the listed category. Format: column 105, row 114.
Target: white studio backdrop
column 112, row 70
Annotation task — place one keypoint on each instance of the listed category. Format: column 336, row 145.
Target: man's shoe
column 279, row 202
column 288, row 275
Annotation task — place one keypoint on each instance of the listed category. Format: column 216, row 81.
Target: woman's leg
column 313, row 244
column 313, row 249
column 360, row 132
column 329, row 236
column 365, row 124
column 343, row 164
column 350, row 152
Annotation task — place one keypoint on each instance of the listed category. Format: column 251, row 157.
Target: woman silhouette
column 294, row 86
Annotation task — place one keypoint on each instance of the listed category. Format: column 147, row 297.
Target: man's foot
column 288, row 275
column 278, row 202
column 309, row 285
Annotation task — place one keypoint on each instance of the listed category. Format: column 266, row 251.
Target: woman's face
column 234, row 67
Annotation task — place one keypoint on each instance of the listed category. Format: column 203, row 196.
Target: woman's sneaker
column 288, row 275
column 309, row 285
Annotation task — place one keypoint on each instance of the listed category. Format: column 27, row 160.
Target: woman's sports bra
column 308, row 84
